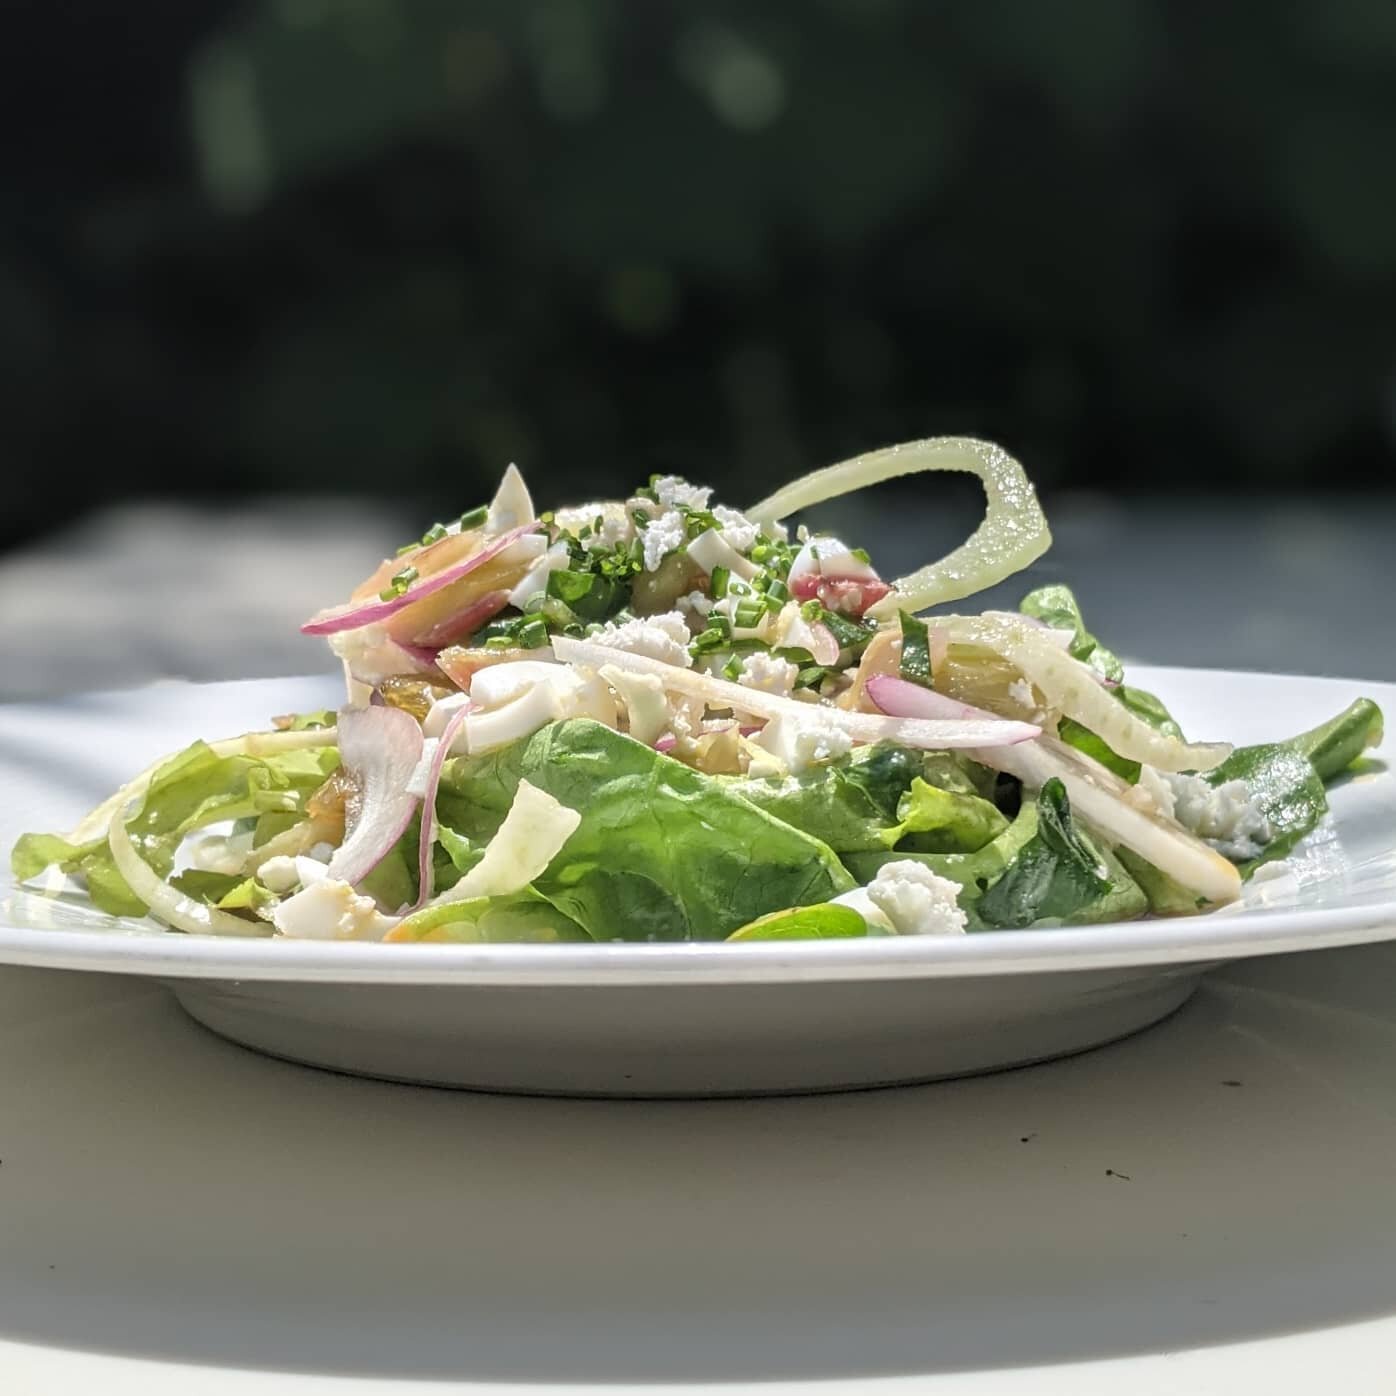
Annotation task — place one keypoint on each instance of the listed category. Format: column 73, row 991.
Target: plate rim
column 1183, row 941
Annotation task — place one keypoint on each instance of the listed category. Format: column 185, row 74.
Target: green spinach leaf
column 1056, row 606
column 664, row 852
column 1058, row 871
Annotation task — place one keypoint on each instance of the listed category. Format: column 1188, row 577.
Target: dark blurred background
column 361, row 248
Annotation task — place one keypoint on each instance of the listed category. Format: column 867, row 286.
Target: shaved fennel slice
column 162, row 900
column 1100, row 798
column 1013, row 533
column 1073, row 689
column 926, row 733
column 94, row 825
column 530, row 837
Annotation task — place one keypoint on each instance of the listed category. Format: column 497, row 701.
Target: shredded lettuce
column 192, row 790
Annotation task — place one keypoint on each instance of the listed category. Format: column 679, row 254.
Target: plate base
column 772, row 1039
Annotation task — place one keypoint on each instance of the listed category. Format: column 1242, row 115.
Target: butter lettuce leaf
column 853, row 805
column 828, row 921
column 522, row 917
column 932, row 820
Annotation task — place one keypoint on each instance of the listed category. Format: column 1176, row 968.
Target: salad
column 664, row 719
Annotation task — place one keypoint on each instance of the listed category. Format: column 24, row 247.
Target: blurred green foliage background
column 389, row 245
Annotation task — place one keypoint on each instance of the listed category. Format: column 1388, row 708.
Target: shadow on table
column 1224, row 1176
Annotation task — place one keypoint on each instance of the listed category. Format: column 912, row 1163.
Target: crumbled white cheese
column 767, row 673
column 279, row 874
column 736, row 528
column 800, row 742
column 916, row 900
column 670, row 490
column 906, row 898
column 663, row 637
column 698, row 603
column 1225, row 816
column 616, row 524
column 660, row 537
column 331, row 910
column 647, row 709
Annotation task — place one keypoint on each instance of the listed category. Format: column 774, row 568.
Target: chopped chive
column 747, row 614
column 399, row 584
column 473, row 518
column 718, row 580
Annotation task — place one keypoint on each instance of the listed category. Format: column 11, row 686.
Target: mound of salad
column 664, row 719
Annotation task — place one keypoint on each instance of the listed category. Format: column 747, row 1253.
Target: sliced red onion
column 666, row 743
column 463, row 623
column 901, row 698
column 426, row 870
column 424, row 655
column 357, row 613
column 380, row 747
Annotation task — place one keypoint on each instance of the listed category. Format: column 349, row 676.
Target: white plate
column 688, row 1019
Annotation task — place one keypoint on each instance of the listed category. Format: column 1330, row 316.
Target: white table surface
column 178, row 1215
